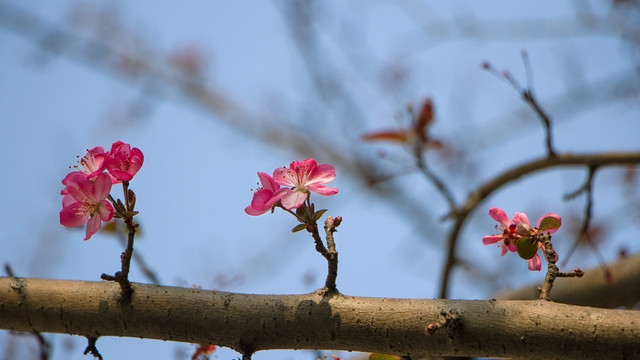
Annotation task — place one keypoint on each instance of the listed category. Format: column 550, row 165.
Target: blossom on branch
column 547, row 224
column 518, row 235
column 85, row 201
column 301, row 177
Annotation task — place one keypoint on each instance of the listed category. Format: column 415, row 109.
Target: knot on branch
column 449, row 321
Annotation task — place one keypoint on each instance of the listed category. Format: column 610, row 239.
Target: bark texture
column 249, row 323
column 620, row 288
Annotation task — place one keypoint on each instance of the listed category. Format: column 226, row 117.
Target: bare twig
column 529, row 98
column 587, row 189
column 435, row 180
column 330, row 226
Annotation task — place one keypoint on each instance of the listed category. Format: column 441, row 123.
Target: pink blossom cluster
column 298, row 180
column 87, row 188
column 518, row 227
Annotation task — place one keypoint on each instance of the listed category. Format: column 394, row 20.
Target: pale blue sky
column 198, row 172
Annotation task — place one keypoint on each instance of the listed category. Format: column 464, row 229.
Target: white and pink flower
column 300, row 178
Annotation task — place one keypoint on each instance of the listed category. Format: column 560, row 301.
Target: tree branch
column 594, row 289
column 535, row 329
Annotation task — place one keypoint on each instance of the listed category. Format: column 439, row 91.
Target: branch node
column 450, row 321
column 91, row 348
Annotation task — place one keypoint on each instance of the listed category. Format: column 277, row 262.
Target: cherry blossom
column 266, row 196
column 519, row 227
column 85, row 202
column 302, row 177
column 123, row 162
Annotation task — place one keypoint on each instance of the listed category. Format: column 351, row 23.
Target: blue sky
column 199, row 170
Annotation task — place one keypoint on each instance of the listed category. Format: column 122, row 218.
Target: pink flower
column 123, row 162
column 85, row 200
column 508, row 228
column 548, row 223
column 302, row 177
column 265, row 197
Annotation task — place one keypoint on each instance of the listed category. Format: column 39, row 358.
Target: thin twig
column 529, row 98
column 8, row 270
column 587, row 189
column 435, row 180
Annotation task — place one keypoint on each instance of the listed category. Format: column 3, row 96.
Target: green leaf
column 526, row 248
column 319, row 214
column 549, row 223
column 299, row 227
column 383, row 357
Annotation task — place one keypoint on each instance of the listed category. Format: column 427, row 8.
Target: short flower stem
column 330, row 227
column 122, row 276
column 552, row 269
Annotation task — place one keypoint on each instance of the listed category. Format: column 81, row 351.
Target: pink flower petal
column 505, row 249
column 519, row 218
column 534, row 263
column 500, row 216
column 105, row 210
column 293, row 199
column 68, row 200
column 73, row 215
column 267, row 182
column 491, row 239
column 260, row 199
column 280, row 176
column 322, row 190
column 253, row 212
column 322, row 174
column 101, row 187
column 93, row 225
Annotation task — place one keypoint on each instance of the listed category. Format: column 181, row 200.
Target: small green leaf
column 319, row 214
column 526, row 248
column 375, row 356
column 549, row 223
column 299, row 227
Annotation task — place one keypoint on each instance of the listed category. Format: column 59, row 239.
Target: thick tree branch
column 594, row 289
column 535, row 329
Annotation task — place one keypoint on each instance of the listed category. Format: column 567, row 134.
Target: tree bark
column 620, row 288
column 249, row 323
